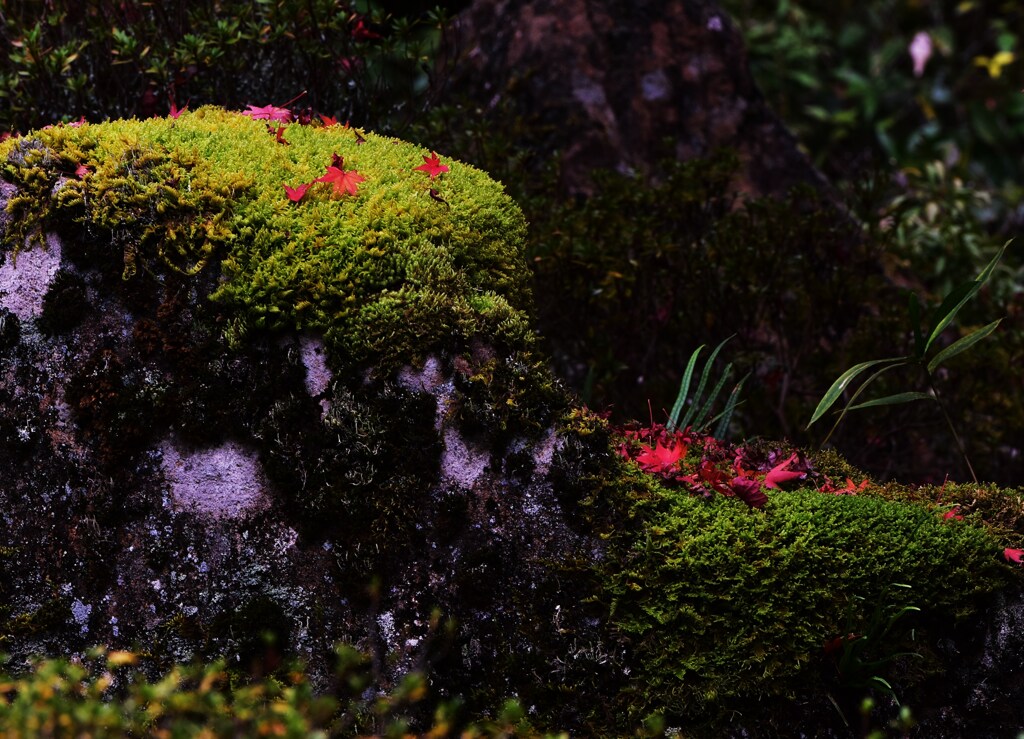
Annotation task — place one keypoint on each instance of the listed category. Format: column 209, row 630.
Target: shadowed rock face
column 622, row 85
column 166, row 490
column 189, row 542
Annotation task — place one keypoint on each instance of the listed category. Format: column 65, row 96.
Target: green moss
column 387, row 274
column 721, row 602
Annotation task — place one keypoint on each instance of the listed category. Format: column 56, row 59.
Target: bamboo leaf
column 892, row 400
column 960, row 295
column 843, row 381
column 861, row 389
column 962, row 345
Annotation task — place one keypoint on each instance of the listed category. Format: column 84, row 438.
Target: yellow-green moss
column 406, row 264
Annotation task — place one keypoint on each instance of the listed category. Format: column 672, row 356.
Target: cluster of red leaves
column 707, row 465
column 342, row 181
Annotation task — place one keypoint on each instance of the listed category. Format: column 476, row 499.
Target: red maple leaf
column 82, row 170
column 329, row 120
column 1013, row 555
column 952, row 513
column 779, row 474
column 749, row 491
column 268, row 113
column 295, row 193
column 280, row 135
column 432, row 166
column 341, row 180
column 660, row 458
column 176, row 111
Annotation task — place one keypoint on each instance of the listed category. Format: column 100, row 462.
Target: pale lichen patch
column 224, row 482
column 461, row 462
column 24, row 280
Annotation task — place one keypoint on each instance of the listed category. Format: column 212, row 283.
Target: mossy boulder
column 238, row 424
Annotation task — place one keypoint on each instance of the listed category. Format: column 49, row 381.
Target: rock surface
column 200, row 457
column 611, row 82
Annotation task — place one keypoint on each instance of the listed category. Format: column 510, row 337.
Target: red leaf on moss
column 1013, row 555
column 952, row 514
column 337, row 161
column 329, row 121
column 778, row 473
column 175, row 111
column 280, row 135
column 437, row 196
column 268, row 113
column 432, row 165
column 749, row 491
column 295, row 193
column 342, row 181
column 660, row 458
column 81, row 170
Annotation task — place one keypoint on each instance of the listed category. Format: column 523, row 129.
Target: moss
column 388, row 274
column 750, row 597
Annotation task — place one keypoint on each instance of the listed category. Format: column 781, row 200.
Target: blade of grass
column 684, row 389
column 700, row 386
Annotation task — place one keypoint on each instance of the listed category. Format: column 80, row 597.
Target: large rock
column 238, row 424
column 624, row 85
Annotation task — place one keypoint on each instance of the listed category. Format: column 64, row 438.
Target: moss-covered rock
column 240, row 425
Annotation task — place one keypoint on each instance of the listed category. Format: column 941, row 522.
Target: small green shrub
column 351, row 60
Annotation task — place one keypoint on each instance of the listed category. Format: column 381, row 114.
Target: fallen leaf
column 295, row 193
column 268, row 113
column 329, row 121
column 778, row 473
column 749, row 491
column 660, row 458
column 432, row 166
column 1013, row 555
column 280, row 135
column 342, row 181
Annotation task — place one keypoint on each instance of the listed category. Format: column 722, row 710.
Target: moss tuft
column 387, row 274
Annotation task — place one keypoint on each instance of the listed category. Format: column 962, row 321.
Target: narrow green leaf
column 962, row 344
column 705, row 410
column 960, row 295
column 684, row 389
column 700, row 385
column 833, row 393
column 892, row 400
column 861, row 389
column 730, row 405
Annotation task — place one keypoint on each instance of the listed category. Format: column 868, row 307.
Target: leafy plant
column 923, row 357
column 697, row 415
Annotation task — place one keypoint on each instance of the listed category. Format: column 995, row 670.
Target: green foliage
column 103, row 696
column 102, row 60
column 699, row 410
column 842, row 76
column 751, row 597
column 928, row 362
